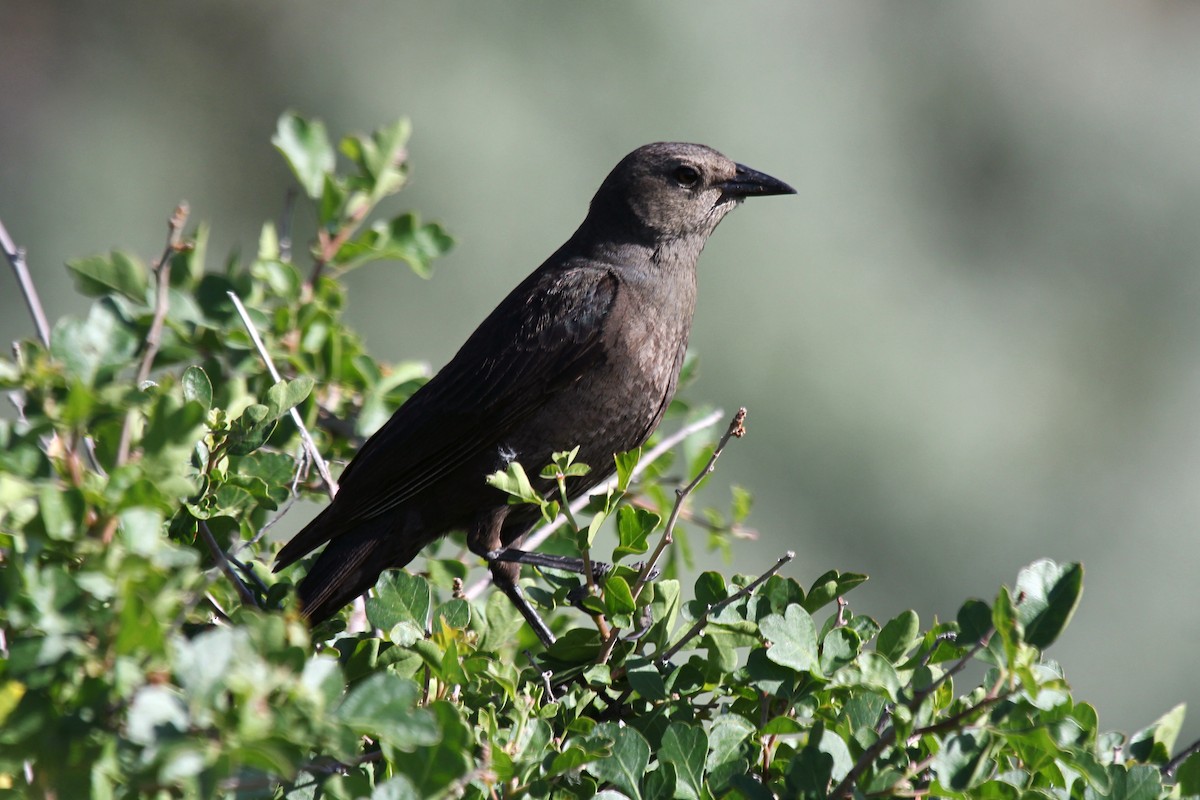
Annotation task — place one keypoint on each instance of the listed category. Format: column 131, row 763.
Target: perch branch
column 162, row 285
column 649, row 457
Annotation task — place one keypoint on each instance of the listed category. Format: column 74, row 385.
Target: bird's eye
column 686, row 177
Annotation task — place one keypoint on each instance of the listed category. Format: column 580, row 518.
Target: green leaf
column 634, row 526
column 742, row 500
column 898, row 636
column 62, row 511
column 434, row 768
column 1154, row 743
column 156, row 714
column 94, row 349
column 1007, row 625
column 397, row 788
column 381, row 158
column 250, row 430
column 962, row 762
column 400, row 597
column 455, row 613
column 197, row 387
column 513, row 481
column 618, row 598
column 974, row 622
column 1137, row 783
column 305, row 145
column 829, row 587
column 626, row 463
column 626, row 766
column 285, row 395
column 383, row 705
column 646, row 680
column 686, row 747
column 1049, row 596
column 839, row 647
column 120, row 272
column 402, row 239
column 793, row 639
column 725, row 737
column 710, row 589
column 1188, row 775
column 872, row 671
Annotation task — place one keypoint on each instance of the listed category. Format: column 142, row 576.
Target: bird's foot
column 600, row 569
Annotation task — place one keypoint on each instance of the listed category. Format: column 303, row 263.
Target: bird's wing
column 543, row 336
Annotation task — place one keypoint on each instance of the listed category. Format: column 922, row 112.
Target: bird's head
column 674, row 189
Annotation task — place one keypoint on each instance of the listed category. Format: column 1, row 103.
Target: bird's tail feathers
column 323, row 527
column 349, row 566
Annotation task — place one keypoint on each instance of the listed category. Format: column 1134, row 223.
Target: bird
column 584, row 353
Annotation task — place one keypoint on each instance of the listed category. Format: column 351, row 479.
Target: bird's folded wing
column 545, row 335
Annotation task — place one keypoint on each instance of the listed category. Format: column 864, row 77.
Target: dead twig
column 162, row 285
column 247, row 597
column 309, row 445
column 16, row 257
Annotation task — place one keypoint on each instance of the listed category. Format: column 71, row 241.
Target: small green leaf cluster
column 146, row 650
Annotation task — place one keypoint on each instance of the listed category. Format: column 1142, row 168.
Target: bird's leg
column 504, row 575
column 483, row 538
column 547, row 561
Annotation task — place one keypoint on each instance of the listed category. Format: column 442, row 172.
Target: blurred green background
column 971, row 341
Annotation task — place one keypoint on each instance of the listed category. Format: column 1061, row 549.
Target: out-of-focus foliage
column 147, row 650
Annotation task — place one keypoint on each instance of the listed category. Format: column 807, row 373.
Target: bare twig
column 1168, row 769
column 323, row 765
column 328, row 246
column 16, row 257
column 162, row 285
column 250, row 575
column 736, row 429
column 309, row 445
column 717, row 608
column 649, row 457
column 247, row 597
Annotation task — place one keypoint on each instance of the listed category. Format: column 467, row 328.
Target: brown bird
column 584, row 352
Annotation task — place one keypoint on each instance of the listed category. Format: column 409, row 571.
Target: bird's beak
column 748, row 182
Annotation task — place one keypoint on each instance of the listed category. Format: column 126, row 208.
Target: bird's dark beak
column 748, row 182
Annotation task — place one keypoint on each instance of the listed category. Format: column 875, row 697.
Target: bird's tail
column 349, row 566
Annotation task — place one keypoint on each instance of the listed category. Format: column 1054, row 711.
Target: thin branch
column 692, row 518
column 162, row 285
column 648, row 458
column 16, row 257
column 330, row 245
column 736, row 429
column 888, row 737
column 249, row 574
column 717, row 608
column 323, row 765
column 309, row 445
column 247, row 597
column 1168, row 769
